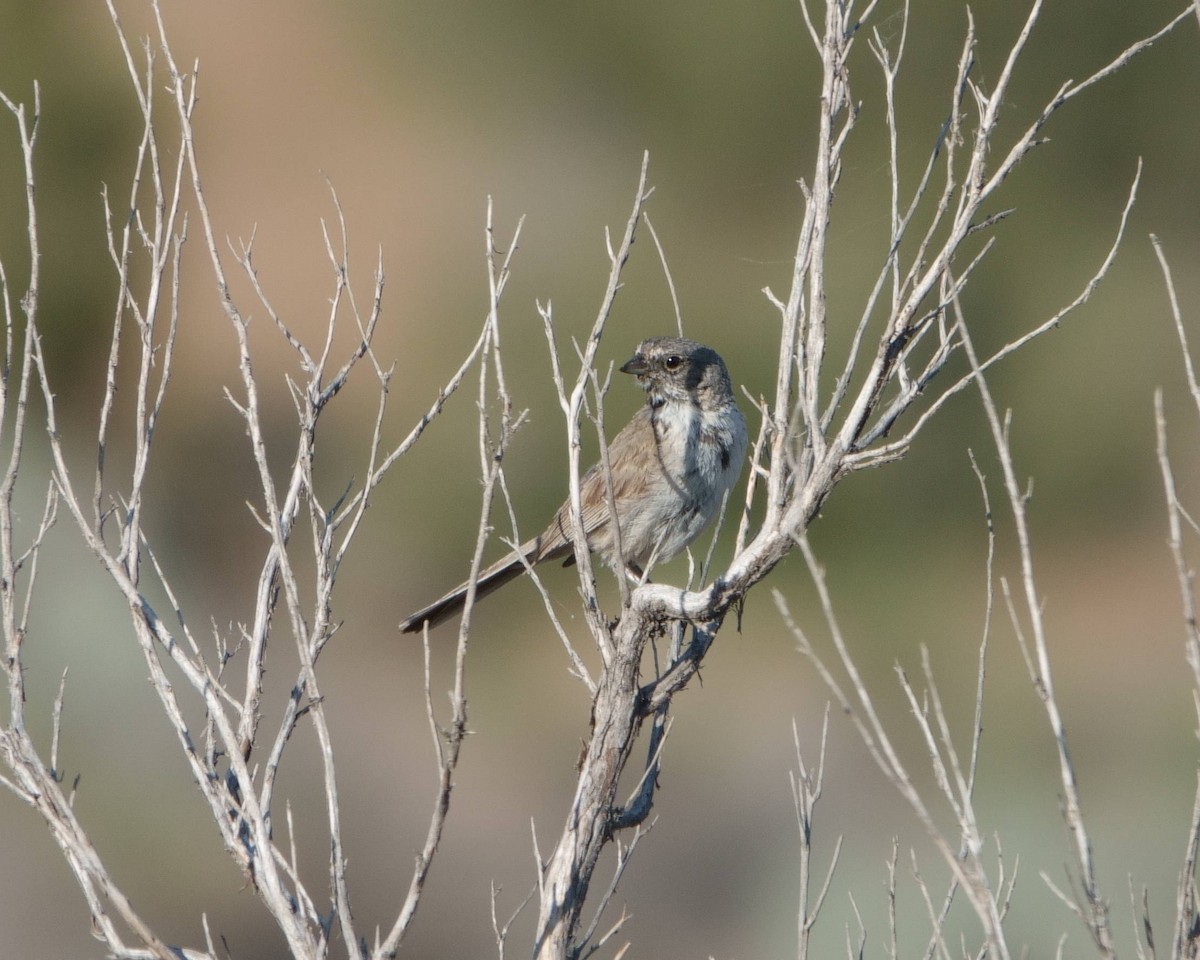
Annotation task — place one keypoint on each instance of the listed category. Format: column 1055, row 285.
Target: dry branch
column 827, row 417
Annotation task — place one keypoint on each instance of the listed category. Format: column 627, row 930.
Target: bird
column 671, row 467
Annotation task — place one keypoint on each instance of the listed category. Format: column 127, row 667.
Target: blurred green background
column 417, row 112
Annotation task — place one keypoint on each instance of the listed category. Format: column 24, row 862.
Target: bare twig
column 448, row 742
column 1186, row 943
column 1094, row 910
column 662, row 257
column 806, row 791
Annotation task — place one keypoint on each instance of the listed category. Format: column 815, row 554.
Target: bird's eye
column 673, row 361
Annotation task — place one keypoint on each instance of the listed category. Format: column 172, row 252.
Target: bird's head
column 674, row 368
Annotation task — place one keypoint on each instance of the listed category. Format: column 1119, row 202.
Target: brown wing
column 631, row 458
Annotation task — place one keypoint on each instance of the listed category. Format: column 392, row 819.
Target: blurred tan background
column 417, row 112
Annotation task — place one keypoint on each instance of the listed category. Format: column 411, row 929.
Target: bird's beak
column 636, row 365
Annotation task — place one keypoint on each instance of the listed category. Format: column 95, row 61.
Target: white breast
column 700, row 454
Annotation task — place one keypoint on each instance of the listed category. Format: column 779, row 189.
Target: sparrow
column 671, row 467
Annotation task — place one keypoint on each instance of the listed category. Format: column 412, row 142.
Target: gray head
column 674, row 368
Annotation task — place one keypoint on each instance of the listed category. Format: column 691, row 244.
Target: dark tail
column 493, row 578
